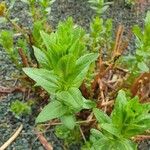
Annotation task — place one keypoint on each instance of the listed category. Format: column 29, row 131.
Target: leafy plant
column 69, row 136
column 100, row 6
column 63, row 69
column 139, row 62
column 19, row 108
column 130, row 2
column 38, row 11
column 6, row 39
column 99, row 40
column 39, row 8
column 128, row 118
column 101, row 34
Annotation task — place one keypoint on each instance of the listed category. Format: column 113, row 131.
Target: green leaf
column 147, row 19
column 96, row 133
column 134, row 108
column 7, row 42
column 44, row 78
column 129, row 145
column 51, row 111
column 46, row 39
column 82, row 66
column 101, row 116
column 111, row 129
column 134, row 129
column 71, row 98
column 137, row 31
column 42, row 58
column 124, row 145
column 144, row 121
column 65, row 66
column 143, row 67
column 77, row 48
column 118, row 115
column 88, row 104
column 67, row 40
column 69, row 121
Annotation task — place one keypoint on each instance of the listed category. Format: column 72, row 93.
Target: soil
column 82, row 14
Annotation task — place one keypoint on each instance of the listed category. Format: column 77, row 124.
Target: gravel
column 82, row 14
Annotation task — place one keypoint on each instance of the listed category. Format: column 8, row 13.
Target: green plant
column 128, row 118
column 63, row 69
column 20, row 108
column 6, row 39
column 130, row 2
column 69, row 136
column 39, row 8
column 99, row 6
column 139, row 62
column 39, row 11
column 100, row 34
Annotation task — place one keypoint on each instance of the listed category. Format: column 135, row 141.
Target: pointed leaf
column 51, row 111
column 69, row 121
column 44, row 78
column 118, row 111
column 42, row 58
column 72, row 98
column 88, row 104
column 82, row 66
column 101, row 116
column 111, row 129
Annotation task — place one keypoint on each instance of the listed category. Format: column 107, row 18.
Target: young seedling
column 19, row 108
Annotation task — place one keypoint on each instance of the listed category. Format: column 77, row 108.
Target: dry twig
column 141, row 137
column 23, row 58
column 43, row 141
column 15, row 135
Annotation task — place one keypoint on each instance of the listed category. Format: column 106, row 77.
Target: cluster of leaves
column 99, row 6
column 43, row 7
column 68, row 136
column 100, row 34
column 20, row 108
column 128, row 118
column 139, row 62
column 63, row 69
column 130, row 2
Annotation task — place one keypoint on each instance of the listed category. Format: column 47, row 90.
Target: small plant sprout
column 19, row 108
column 99, row 6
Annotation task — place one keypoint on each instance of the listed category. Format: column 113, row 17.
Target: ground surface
column 81, row 12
